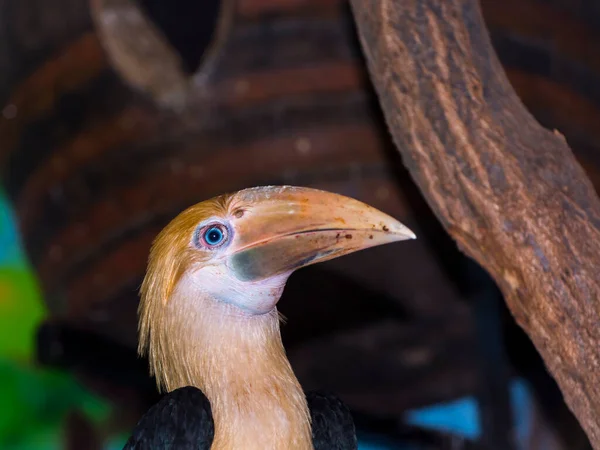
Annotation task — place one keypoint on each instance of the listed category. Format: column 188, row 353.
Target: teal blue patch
column 9, row 237
column 462, row 416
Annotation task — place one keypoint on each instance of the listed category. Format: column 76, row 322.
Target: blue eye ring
column 213, row 236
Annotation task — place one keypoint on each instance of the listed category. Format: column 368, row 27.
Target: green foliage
column 21, row 307
column 34, row 401
column 21, row 311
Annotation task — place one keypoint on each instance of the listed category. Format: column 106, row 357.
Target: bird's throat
column 239, row 362
column 256, row 399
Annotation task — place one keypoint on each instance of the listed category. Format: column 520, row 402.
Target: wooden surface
column 510, row 192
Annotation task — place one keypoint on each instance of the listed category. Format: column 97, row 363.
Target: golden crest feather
column 172, row 253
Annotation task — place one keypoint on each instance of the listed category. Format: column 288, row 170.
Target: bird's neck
column 239, row 362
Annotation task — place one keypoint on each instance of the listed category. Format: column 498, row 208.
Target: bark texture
column 509, row 191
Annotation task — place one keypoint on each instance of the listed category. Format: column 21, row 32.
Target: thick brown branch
column 509, row 191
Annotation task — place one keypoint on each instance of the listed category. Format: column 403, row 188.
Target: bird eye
column 212, row 236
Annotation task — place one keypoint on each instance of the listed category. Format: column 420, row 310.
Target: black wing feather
column 181, row 420
column 332, row 423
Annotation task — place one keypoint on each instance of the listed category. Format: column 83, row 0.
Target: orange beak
column 285, row 229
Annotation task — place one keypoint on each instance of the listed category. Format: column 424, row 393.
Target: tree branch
column 509, row 192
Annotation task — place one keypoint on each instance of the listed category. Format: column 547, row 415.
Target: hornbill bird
column 209, row 325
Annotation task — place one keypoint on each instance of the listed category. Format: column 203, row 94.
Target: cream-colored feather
column 236, row 359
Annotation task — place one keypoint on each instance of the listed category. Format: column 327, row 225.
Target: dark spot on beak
column 370, row 236
column 385, row 228
column 337, row 236
column 348, row 236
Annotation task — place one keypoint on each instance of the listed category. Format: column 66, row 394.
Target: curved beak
column 286, row 228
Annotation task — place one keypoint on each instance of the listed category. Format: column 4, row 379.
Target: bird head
column 239, row 249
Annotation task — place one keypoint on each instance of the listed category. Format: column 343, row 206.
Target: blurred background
column 117, row 114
